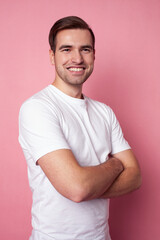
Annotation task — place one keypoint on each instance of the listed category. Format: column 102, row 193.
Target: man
column 76, row 154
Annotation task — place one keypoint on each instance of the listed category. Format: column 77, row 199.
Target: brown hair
column 71, row 22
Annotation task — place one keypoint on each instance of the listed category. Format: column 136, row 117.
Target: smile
column 75, row 69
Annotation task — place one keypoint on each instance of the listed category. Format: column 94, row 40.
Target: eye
column 65, row 50
column 86, row 50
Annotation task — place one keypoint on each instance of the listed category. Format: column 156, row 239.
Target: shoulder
column 100, row 105
column 38, row 113
column 41, row 101
column 103, row 110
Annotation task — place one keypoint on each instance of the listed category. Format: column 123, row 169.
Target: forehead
column 74, row 37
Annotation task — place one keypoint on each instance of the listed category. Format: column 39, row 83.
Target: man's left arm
column 129, row 180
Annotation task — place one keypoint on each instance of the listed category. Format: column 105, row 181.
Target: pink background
column 126, row 77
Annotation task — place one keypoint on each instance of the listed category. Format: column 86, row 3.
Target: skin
column 117, row 176
column 73, row 50
column 129, row 180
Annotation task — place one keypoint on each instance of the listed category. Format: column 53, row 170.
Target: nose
column 77, row 57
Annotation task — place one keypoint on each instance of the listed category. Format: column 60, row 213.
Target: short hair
column 70, row 22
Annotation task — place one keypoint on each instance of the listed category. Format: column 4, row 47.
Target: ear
column 51, row 55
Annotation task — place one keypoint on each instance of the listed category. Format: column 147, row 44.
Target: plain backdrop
column 126, row 77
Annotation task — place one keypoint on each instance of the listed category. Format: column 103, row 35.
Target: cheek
column 91, row 64
column 90, row 60
column 62, row 60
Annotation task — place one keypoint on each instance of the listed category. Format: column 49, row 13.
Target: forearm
column 75, row 182
column 97, row 180
column 128, row 181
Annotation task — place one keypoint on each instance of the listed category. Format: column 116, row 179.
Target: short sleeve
column 39, row 129
column 118, row 141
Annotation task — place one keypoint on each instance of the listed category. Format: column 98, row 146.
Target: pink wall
column 126, row 76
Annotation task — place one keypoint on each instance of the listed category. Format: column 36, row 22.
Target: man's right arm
column 75, row 182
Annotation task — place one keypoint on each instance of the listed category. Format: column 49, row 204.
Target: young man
column 76, row 154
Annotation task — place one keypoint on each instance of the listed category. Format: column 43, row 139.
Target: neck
column 71, row 90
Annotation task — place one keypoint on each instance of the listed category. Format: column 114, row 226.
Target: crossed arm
column 117, row 176
column 129, row 179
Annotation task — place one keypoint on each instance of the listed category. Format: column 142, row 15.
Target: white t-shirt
column 51, row 120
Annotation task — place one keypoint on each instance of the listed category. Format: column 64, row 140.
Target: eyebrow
column 70, row 46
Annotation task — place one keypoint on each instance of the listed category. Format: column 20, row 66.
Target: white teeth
column 76, row 69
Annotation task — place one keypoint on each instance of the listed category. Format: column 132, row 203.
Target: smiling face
column 73, row 57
